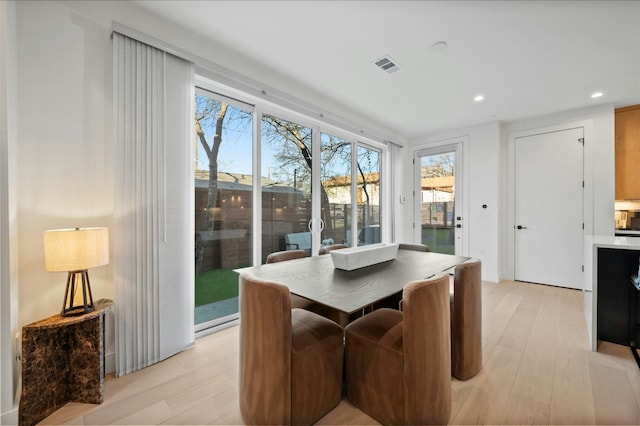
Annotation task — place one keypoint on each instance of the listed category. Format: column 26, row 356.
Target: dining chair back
column 290, row 360
column 281, row 256
column 414, row 247
column 466, row 320
column 398, row 364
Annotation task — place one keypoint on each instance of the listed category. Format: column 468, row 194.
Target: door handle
column 521, row 227
column 312, row 225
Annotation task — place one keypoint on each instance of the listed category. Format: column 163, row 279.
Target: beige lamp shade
column 75, row 249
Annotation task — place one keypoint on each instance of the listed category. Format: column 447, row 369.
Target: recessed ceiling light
column 596, row 94
column 439, row 45
column 479, row 98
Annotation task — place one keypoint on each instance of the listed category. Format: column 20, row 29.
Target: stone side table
column 62, row 361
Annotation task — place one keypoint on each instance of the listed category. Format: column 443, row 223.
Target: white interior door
column 549, row 208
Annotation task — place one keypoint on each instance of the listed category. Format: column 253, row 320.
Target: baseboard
column 110, row 363
column 10, row 417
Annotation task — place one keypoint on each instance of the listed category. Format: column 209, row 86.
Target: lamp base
column 69, row 308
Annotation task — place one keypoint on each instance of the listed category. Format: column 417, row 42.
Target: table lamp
column 75, row 251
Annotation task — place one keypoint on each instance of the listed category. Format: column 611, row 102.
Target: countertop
column 623, row 232
column 629, row 243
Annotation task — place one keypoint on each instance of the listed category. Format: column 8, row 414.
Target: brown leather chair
column 282, row 256
column 398, row 364
column 415, row 247
column 466, row 320
column 290, row 359
column 327, row 249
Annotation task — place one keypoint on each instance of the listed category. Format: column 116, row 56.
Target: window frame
column 318, row 126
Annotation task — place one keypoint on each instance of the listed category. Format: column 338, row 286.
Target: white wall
column 486, row 182
column 64, row 155
column 8, row 220
column 481, row 175
column 223, row 59
column 64, row 171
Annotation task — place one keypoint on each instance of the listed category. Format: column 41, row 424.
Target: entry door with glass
column 438, row 211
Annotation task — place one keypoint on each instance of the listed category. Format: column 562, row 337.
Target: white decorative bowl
column 361, row 256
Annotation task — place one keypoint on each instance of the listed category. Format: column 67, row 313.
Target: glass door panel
column 336, row 189
column 368, row 195
column 437, row 207
column 286, row 185
column 223, row 210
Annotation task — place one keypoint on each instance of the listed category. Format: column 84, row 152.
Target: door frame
column 588, row 173
column 459, row 145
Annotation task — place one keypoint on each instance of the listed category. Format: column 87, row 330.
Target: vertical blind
column 153, row 94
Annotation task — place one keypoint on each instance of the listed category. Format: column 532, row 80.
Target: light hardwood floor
column 538, row 369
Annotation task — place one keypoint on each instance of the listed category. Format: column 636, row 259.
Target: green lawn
column 438, row 239
column 216, row 285
column 222, row 284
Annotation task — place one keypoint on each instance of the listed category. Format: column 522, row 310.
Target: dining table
column 315, row 277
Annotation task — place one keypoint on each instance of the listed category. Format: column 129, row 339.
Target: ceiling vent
column 386, row 63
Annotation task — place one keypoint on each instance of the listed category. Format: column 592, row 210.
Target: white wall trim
column 10, row 417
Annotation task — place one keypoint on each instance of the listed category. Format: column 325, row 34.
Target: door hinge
column 414, row 161
column 581, row 140
column 583, row 226
column 583, row 184
column 582, row 268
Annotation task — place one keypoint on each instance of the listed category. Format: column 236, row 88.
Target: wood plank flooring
column 538, row 369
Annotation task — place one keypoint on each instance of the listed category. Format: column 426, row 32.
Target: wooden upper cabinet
column 628, row 153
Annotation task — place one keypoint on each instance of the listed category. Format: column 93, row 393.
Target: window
column 300, row 201
column 368, row 195
column 336, row 189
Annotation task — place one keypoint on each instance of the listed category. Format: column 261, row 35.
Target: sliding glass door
column 286, row 185
column 314, row 189
column 368, row 192
column 335, row 197
column 223, row 204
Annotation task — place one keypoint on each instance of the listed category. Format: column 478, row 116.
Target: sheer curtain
column 153, row 97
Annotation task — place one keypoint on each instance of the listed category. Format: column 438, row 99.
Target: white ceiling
column 526, row 58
